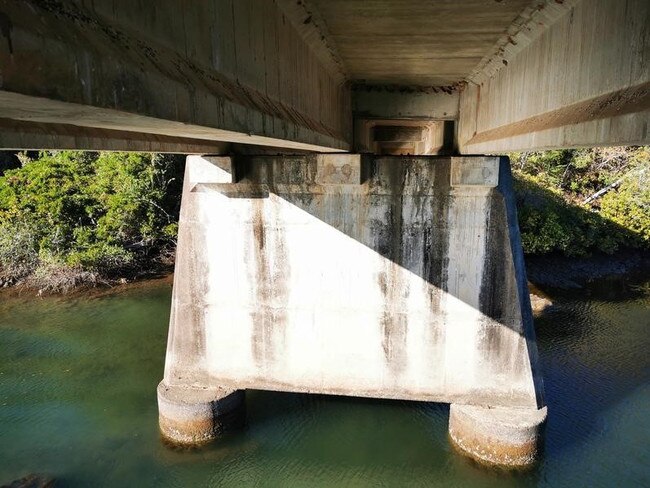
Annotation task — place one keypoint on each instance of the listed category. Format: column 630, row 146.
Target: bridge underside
column 294, row 79
column 315, row 75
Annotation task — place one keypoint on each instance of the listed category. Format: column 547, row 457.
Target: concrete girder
column 20, row 135
column 399, row 133
column 222, row 70
column 573, row 73
column 433, row 137
column 564, row 74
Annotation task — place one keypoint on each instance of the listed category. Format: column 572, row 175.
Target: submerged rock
column 32, row 481
column 539, row 303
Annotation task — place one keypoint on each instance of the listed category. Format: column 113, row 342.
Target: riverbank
column 544, row 273
column 74, row 221
column 160, row 274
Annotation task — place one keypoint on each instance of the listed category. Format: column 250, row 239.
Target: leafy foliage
column 551, row 187
column 629, row 205
column 578, row 173
column 549, row 224
column 99, row 212
column 70, row 217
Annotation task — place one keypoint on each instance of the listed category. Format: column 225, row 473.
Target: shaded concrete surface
column 400, row 137
column 221, row 70
column 387, row 277
column 414, row 42
column 515, row 75
column 555, row 80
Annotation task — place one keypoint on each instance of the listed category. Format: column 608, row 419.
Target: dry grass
column 57, row 278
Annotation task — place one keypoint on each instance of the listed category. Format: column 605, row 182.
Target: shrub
column 579, row 173
column 629, row 205
column 18, row 250
column 551, row 186
column 96, row 212
column 550, row 224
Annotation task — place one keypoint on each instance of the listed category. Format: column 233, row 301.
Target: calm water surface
column 77, row 402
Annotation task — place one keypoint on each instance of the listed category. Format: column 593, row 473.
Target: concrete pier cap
column 507, row 437
column 190, row 416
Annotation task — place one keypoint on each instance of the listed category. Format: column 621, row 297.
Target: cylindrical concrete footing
column 193, row 416
column 501, row 436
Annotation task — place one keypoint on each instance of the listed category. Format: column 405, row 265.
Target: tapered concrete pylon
column 192, row 409
column 385, row 277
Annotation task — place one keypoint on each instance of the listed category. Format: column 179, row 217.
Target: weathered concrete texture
column 193, row 416
column 433, row 42
column 515, row 75
column 389, row 136
column 502, row 436
column 397, row 102
column 16, row 135
column 378, row 277
column 573, row 73
column 226, row 70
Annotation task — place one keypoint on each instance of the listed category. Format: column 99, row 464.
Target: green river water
column 77, row 402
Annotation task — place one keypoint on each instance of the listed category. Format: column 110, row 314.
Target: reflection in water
column 77, row 402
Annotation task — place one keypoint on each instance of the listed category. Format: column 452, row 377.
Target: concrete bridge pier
column 378, row 276
column 193, row 409
column 501, row 436
column 192, row 415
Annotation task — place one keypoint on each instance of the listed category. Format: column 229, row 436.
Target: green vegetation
column 71, row 217
column 561, row 209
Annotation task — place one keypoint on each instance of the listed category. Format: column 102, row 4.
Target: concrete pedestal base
column 193, row 416
column 507, row 437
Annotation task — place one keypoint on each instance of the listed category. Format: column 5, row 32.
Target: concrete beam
column 398, row 133
column 222, row 70
column 421, row 137
column 308, row 22
column 399, row 149
column 570, row 74
column 19, row 135
column 393, row 102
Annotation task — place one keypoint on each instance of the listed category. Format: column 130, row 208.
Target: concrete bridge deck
column 515, row 74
